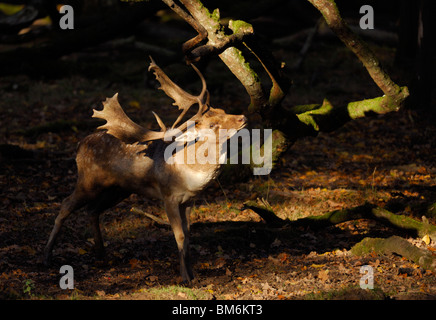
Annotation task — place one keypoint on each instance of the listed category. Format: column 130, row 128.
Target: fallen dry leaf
column 323, row 275
column 426, row 239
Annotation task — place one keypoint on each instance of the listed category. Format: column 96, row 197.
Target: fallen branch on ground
column 393, row 244
column 366, row 211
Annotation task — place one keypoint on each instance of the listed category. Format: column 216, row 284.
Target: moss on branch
column 326, row 117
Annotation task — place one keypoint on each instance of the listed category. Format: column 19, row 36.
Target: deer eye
column 212, row 125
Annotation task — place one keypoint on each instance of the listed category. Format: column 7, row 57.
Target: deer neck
column 197, row 164
column 203, row 155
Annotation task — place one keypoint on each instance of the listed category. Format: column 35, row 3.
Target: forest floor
column 384, row 160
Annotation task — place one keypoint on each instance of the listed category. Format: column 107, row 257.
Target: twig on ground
column 148, row 215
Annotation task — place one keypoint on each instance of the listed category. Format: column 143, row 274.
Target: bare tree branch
column 202, row 33
column 333, row 18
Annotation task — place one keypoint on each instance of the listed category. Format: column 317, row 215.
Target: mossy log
column 397, row 245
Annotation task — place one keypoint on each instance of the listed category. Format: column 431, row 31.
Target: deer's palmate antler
column 122, row 127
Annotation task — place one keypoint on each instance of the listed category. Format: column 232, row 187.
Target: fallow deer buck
column 128, row 158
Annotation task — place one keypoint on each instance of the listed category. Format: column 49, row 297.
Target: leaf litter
column 236, row 255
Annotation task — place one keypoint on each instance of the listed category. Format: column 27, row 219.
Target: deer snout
column 241, row 119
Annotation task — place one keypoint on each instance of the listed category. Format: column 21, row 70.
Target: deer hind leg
column 180, row 226
column 70, row 204
column 107, row 199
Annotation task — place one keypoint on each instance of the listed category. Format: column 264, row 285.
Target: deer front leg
column 98, row 239
column 185, row 211
column 180, row 226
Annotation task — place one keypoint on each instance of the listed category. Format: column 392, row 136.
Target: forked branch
column 225, row 45
column 202, row 33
